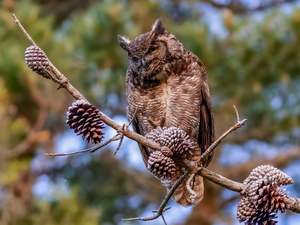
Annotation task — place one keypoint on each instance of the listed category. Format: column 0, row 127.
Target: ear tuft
column 158, row 27
column 123, row 42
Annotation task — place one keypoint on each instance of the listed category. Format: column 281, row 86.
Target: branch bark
column 222, row 181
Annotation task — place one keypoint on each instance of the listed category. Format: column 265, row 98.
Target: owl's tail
column 183, row 197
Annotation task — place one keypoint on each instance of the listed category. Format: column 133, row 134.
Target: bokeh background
column 251, row 50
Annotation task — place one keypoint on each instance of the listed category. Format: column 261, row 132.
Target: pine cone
column 271, row 173
column 264, row 196
column 85, row 119
column 248, row 212
column 35, row 59
column 267, row 196
column 161, row 166
column 174, row 138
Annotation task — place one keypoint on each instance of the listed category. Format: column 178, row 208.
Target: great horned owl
column 167, row 87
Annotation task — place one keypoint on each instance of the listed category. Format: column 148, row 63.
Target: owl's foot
column 190, row 186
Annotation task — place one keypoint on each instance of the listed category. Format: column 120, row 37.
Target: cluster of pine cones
column 264, row 196
column 173, row 141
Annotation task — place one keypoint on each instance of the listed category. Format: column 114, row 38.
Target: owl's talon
column 193, row 194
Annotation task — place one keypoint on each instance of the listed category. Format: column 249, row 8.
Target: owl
column 166, row 86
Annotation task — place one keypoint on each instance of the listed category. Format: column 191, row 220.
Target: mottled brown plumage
column 167, row 87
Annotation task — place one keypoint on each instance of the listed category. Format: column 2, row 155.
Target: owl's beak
column 143, row 63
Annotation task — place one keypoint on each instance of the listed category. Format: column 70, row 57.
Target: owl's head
column 149, row 53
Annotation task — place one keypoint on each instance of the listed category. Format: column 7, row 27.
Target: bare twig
column 163, row 218
column 70, row 153
column 114, row 138
column 164, row 202
column 122, row 135
column 155, row 211
column 121, row 141
column 237, row 114
column 91, row 150
column 119, row 146
column 217, row 142
column 24, row 31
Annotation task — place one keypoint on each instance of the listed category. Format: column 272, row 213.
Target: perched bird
column 166, row 87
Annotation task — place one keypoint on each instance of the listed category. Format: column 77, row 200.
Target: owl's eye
column 134, row 59
column 153, row 49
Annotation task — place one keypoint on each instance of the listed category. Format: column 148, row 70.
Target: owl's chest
column 165, row 105
column 152, row 104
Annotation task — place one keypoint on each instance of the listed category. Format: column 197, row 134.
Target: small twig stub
column 24, row 31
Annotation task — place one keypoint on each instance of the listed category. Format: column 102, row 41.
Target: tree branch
column 64, row 82
column 222, row 181
column 294, row 204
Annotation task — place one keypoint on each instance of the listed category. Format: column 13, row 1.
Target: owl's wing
column 138, row 129
column 132, row 114
column 206, row 127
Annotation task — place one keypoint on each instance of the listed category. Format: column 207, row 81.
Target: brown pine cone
column 269, row 172
column 36, row 59
column 264, row 196
column 174, row 138
column 161, row 166
column 245, row 209
column 86, row 120
column 267, row 196
column 248, row 212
